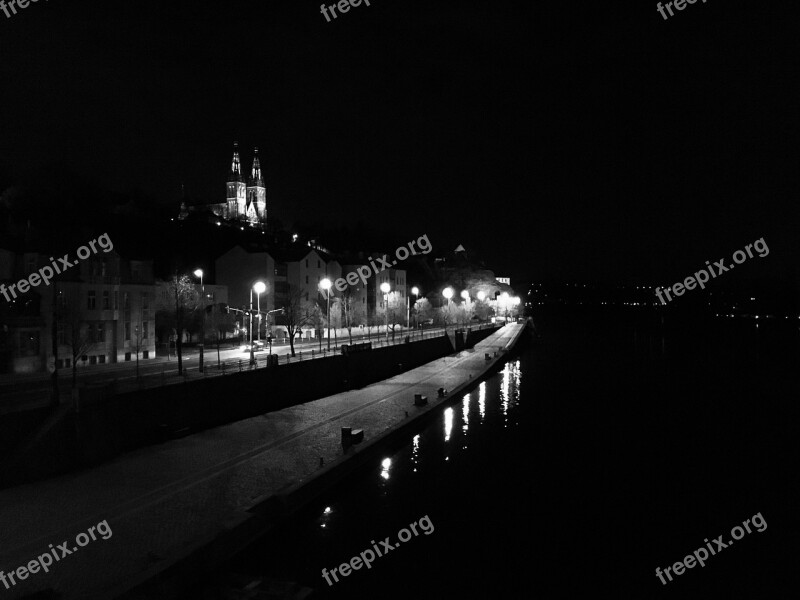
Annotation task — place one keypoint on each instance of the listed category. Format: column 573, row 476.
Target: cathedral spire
column 255, row 174
column 236, row 167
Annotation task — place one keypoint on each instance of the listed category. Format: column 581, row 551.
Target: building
column 215, row 295
column 102, row 310
column 245, row 201
column 398, row 295
column 298, row 268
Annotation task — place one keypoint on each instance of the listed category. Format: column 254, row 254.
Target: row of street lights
column 259, row 287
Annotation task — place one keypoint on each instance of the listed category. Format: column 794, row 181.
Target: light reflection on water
column 448, row 423
column 409, row 476
column 502, row 399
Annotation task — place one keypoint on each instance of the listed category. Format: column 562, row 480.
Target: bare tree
column 353, row 313
column 75, row 334
column 297, row 312
column 137, row 343
column 465, row 312
column 397, row 312
column 183, row 293
column 423, row 310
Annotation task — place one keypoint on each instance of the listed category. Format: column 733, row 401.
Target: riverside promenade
column 179, row 508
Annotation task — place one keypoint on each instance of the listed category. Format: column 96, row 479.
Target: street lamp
column 481, row 296
column 465, row 296
column 504, row 303
column 447, row 293
column 260, row 287
column 199, row 273
column 515, row 301
column 415, row 291
column 385, row 288
column 326, row 284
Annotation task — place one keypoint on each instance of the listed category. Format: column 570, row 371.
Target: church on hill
column 246, row 200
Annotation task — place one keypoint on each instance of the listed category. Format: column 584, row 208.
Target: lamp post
column 252, row 353
column 447, row 293
column 326, row 284
column 481, row 297
column 199, row 273
column 386, row 288
column 415, row 291
column 504, row 303
column 269, row 337
column 465, row 296
column 259, row 287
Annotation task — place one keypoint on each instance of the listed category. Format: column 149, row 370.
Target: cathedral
column 246, row 200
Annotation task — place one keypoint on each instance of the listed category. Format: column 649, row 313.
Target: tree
column 447, row 314
column 183, row 298
column 219, row 325
column 423, row 310
column 75, row 335
column 482, row 310
column 336, row 318
column 297, row 312
column 353, row 313
column 466, row 310
column 137, row 343
column 397, row 312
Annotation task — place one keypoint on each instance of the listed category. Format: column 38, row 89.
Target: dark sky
column 590, row 140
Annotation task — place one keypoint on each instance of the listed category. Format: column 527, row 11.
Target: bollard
column 301, row 355
column 240, row 365
column 346, row 433
column 288, row 357
column 420, row 400
column 487, row 356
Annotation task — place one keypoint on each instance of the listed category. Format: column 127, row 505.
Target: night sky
column 591, row 141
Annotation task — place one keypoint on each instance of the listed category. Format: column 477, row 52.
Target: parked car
column 258, row 346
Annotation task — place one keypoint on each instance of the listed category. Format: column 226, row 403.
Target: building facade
column 100, row 311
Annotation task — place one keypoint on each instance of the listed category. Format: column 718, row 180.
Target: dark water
column 614, row 446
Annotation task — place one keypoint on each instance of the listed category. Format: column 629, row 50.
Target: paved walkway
column 164, row 501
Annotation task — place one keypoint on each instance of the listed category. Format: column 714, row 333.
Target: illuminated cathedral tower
column 256, row 195
column 237, row 189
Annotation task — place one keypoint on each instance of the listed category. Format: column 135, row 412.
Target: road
column 24, row 392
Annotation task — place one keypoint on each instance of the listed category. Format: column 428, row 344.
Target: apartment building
column 100, row 311
column 301, row 267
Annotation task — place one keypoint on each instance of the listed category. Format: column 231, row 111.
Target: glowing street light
column 258, row 286
column 504, row 303
column 415, row 291
column 447, row 293
column 481, row 296
column 386, row 288
column 199, row 274
column 326, row 285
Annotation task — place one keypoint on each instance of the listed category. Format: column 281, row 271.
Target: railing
column 169, row 373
